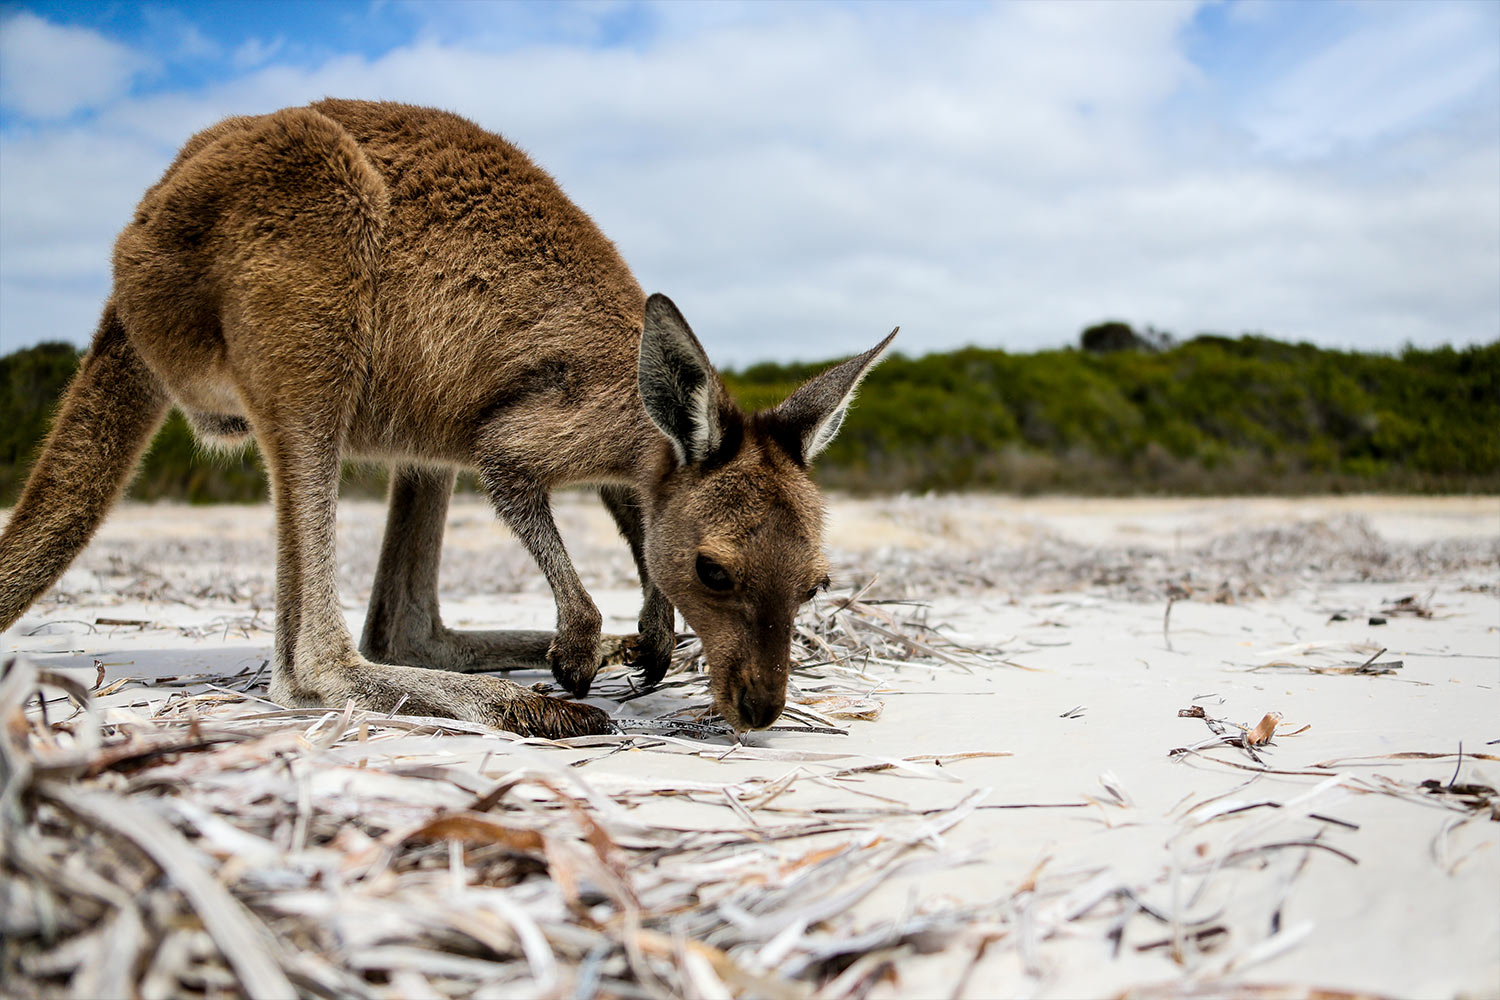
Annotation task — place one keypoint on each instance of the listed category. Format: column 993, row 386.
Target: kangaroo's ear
column 814, row 412
column 680, row 389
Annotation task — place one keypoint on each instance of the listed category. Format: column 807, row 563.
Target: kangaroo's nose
column 758, row 709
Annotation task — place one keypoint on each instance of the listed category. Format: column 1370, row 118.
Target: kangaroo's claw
column 650, row 654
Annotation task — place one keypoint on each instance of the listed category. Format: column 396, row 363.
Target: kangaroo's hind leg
column 403, row 624
column 111, row 409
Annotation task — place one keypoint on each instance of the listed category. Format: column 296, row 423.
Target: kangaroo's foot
column 574, row 665
column 489, row 701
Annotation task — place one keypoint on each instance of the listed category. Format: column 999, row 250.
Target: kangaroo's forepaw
column 650, row 653
column 574, row 662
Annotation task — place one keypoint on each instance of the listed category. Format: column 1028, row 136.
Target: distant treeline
column 1124, row 414
column 1210, row 415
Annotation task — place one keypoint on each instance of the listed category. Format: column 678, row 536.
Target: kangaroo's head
column 734, row 524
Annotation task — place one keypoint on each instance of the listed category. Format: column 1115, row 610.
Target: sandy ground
column 1118, row 845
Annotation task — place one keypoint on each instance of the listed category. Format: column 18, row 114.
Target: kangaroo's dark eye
column 713, row 575
column 821, row 585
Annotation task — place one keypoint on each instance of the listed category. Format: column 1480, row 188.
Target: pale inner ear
column 704, row 420
column 822, row 435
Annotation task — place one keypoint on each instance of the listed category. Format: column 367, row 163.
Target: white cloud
column 254, row 51
column 63, row 196
column 50, row 71
column 175, row 37
column 1403, row 64
column 804, row 178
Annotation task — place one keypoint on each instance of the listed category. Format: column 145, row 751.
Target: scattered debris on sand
column 995, row 791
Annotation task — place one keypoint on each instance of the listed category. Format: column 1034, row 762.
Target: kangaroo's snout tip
column 759, row 709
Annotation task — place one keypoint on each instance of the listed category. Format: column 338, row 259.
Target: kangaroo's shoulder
column 505, row 223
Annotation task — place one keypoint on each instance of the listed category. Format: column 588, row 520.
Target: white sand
column 1418, row 915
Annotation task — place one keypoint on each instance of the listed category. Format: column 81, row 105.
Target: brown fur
column 392, row 282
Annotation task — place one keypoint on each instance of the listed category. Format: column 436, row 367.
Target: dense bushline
column 1210, row 415
column 31, row 385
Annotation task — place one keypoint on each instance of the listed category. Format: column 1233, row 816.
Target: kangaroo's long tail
column 107, row 418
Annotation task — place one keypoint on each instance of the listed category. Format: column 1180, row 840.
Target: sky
column 800, row 178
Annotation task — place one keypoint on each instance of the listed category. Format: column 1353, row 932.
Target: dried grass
column 194, row 839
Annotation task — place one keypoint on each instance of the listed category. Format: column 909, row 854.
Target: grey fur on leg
column 403, row 623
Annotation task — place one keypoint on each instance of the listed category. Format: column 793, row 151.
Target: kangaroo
column 395, row 283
